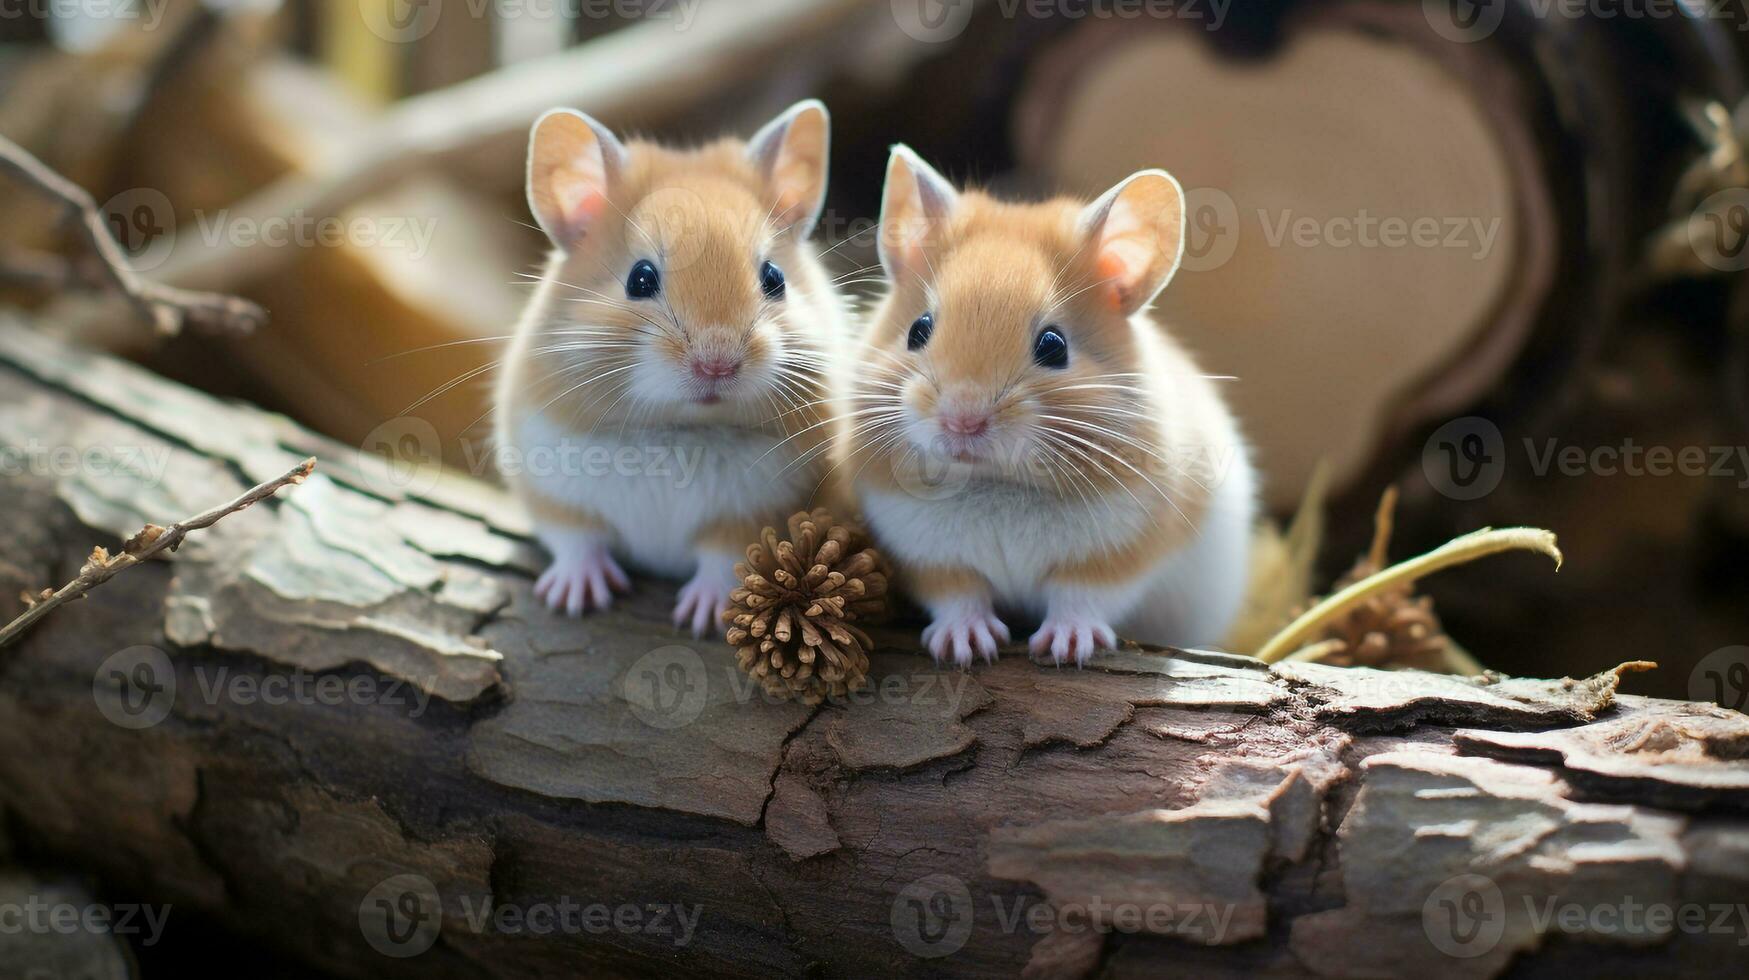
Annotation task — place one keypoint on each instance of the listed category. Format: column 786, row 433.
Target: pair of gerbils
column 1020, row 437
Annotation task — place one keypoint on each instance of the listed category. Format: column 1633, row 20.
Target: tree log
column 337, row 725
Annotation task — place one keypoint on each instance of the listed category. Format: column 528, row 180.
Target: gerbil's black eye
column 920, row 331
column 1051, row 349
column 771, row 280
column 645, row 281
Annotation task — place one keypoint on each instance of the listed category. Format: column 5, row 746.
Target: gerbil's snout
column 714, row 363
column 715, row 367
column 963, row 424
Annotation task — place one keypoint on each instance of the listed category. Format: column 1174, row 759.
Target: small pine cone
column 1394, row 629
column 792, row 621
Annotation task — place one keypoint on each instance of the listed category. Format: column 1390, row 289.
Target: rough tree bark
column 273, row 765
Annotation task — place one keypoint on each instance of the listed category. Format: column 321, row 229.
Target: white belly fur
column 656, row 487
column 1015, row 537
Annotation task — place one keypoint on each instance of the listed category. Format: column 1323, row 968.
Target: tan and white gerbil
column 673, row 352
column 1025, row 438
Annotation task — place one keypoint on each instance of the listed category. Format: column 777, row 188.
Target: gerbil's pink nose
column 715, row 368
column 965, row 423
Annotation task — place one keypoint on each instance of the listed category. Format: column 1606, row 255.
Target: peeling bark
column 1193, row 812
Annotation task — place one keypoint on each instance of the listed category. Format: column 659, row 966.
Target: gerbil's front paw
column 582, row 581
column 1075, row 635
column 701, row 602
column 960, row 632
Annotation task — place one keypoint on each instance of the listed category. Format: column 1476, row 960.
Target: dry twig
column 152, row 539
column 168, row 309
column 1476, row 544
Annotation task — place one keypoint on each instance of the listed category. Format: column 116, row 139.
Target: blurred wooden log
column 405, row 316
column 1300, row 156
column 421, row 266
column 630, row 77
column 1194, row 812
column 107, row 89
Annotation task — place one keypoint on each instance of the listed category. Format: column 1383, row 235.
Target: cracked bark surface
column 1186, row 813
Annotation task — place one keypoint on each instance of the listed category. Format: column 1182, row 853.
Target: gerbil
column 1024, row 437
column 665, row 395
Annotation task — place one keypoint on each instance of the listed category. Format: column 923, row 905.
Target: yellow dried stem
column 1458, row 551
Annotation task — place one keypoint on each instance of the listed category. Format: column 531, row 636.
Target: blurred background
column 1489, row 252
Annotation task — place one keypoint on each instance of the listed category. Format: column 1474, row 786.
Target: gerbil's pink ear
column 573, row 164
column 1137, row 230
column 792, row 153
column 914, row 209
